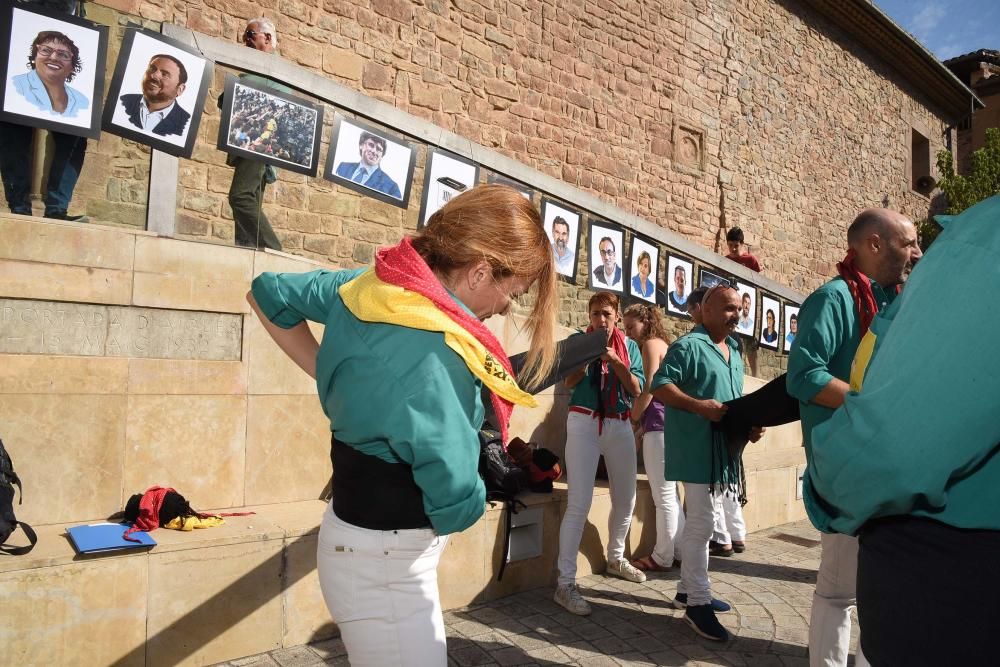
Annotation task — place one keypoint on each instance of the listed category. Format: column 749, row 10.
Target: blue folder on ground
column 98, row 537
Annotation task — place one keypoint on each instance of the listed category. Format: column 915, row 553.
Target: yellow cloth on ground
column 192, row 522
column 372, row 300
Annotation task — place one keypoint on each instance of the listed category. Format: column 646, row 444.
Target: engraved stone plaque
column 689, row 147
column 53, row 327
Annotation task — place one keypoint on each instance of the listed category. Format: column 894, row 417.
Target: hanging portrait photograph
column 562, row 224
column 679, row 280
column 709, row 278
column 747, row 324
column 446, row 175
column 369, row 160
column 790, row 317
column 607, row 243
column 645, row 259
column 526, row 192
column 157, row 92
column 52, row 70
column 770, row 311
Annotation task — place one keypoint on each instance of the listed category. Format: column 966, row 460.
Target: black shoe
column 717, row 549
column 704, row 622
column 739, row 547
column 67, row 218
column 718, row 606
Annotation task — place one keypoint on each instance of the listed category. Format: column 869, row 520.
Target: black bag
column 503, row 479
column 8, row 522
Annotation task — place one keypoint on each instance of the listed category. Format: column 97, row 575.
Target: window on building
column 920, row 163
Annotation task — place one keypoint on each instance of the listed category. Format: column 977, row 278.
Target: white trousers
column 381, row 589
column 699, row 503
column 583, row 447
column 729, row 523
column 669, row 517
column 835, row 596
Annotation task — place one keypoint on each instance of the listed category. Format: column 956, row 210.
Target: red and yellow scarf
column 403, row 290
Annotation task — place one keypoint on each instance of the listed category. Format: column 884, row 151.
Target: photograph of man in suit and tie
column 370, row 161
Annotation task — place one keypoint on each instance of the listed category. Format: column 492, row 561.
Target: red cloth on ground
column 149, row 511
column 861, row 290
column 402, row 265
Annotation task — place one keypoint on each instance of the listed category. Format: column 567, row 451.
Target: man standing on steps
column 882, row 250
column 250, row 177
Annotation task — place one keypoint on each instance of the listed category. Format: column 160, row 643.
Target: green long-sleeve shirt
column 390, row 391
column 824, row 348
column 922, row 436
column 695, row 364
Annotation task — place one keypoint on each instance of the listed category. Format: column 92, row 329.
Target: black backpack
column 8, row 522
column 503, row 479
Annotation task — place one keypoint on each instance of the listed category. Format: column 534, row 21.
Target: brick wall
column 697, row 115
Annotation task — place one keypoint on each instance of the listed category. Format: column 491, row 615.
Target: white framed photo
column 679, row 280
column 371, row 161
column 52, row 70
column 446, row 176
column 607, row 244
column 790, row 317
column 770, row 312
column 644, row 261
column 562, row 224
column 747, row 324
column 157, row 92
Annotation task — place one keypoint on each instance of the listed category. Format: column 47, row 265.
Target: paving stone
column 298, row 656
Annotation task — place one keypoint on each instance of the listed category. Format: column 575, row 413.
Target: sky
column 948, row 28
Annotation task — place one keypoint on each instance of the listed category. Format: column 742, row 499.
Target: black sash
column 375, row 494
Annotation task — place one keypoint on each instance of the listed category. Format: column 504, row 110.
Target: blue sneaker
column 718, row 606
column 702, row 619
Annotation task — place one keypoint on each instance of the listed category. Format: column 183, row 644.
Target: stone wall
column 696, row 115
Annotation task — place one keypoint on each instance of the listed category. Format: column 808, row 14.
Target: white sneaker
column 568, row 596
column 625, row 570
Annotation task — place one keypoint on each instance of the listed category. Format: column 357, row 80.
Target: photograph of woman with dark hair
column 641, row 284
column 769, row 334
column 52, row 63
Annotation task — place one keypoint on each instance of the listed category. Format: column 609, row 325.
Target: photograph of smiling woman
column 157, row 92
column 53, row 71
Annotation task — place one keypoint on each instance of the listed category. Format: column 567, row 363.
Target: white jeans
column 381, row 589
column 583, row 447
column 669, row 517
column 729, row 523
column 835, row 596
column 699, row 503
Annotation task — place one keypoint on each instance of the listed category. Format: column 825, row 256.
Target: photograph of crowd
column 270, row 126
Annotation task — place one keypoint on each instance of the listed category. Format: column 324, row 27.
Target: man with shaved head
column 882, row 249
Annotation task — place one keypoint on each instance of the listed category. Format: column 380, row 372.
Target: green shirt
column 390, row 391
column 585, row 392
column 922, row 436
column 824, row 348
column 695, row 364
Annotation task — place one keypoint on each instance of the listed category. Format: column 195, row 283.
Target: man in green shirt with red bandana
column 882, row 249
column 701, row 371
column 910, row 462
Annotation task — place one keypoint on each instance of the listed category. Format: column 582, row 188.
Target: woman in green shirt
column 400, row 374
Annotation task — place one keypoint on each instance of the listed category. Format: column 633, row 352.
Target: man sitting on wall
column 367, row 171
column 156, row 109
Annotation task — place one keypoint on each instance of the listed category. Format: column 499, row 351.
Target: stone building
column 980, row 71
column 130, row 359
